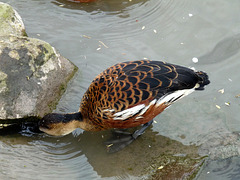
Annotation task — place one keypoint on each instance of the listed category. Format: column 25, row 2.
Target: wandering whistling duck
column 127, row 95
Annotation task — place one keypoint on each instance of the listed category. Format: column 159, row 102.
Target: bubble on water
column 194, row 60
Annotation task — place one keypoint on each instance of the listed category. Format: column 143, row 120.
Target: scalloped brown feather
column 132, row 84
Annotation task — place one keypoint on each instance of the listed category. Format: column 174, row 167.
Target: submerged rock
column 225, row 146
column 33, row 75
column 150, row 157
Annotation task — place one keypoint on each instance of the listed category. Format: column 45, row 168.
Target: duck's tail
column 203, row 80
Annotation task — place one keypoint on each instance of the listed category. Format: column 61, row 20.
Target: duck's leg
column 141, row 131
column 125, row 138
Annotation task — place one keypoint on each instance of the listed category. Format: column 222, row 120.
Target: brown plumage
column 127, row 95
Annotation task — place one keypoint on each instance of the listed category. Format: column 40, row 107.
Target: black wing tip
column 203, row 80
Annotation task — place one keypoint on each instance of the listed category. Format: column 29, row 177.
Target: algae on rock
column 10, row 21
column 33, row 75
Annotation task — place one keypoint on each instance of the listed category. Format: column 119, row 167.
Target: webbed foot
column 123, row 138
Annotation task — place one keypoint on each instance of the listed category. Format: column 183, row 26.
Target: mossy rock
column 10, row 21
column 33, row 77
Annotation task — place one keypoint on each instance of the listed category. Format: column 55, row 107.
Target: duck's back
column 132, row 93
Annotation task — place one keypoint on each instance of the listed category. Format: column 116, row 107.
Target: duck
column 126, row 95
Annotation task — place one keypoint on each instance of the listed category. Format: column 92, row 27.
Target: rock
column 221, row 147
column 10, row 21
column 33, row 75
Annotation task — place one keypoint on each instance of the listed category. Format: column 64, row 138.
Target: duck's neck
column 79, row 121
column 62, row 124
column 73, row 116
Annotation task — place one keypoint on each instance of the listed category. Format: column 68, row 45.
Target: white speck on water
column 221, row 91
column 103, row 44
column 190, row 15
column 194, row 60
column 161, row 167
column 227, row 103
column 155, row 31
column 143, row 27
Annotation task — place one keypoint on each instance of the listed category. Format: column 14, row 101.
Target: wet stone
column 10, row 21
column 33, row 75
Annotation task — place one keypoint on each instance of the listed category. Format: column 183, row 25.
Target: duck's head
column 60, row 124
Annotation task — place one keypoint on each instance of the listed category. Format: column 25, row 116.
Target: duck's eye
column 44, row 126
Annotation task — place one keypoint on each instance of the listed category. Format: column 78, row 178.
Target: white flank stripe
column 141, row 108
column 174, row 96
column 146, row 108
column 128, row 112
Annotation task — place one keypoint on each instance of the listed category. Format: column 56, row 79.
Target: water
column 97, row 35
column 221, row 169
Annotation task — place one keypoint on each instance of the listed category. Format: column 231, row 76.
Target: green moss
column 40, row 55
column 24, row 33
column 9, row 23
column 3, row 86
column 62, row 88
column 3, row 76
column 45, row 52
column 177, row 166
column 14, row 54
column 195, row 172
column 5, row 11
column 75, row 69
column 130, row 169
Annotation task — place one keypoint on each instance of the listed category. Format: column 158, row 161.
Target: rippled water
column 97, row 35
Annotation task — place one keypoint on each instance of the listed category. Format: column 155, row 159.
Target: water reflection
column 183, row 29
column 111, row 7
column 223, row 50
column 120, row 19
column 78, row 153
column 221, row 169
column 133, row 160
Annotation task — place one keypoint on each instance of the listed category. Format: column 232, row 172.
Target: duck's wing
column 130, row 90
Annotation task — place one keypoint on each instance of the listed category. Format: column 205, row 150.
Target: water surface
column 97, row 35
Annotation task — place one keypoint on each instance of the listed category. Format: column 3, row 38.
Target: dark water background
column 97, row 35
